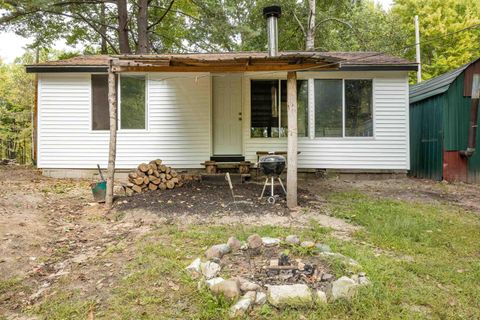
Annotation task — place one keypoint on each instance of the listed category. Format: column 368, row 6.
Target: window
column 132, row 102
column 269, row 108
column 100, row 112
column 343, row 108
column 358, row 108
column 328, row 108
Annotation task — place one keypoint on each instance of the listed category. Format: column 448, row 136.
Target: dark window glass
column 100, row 113
column 132, row 91
column 269, row 108
column 328, row 108
column 358, row 108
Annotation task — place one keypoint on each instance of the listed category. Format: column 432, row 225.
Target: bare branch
column 299, row 23
column 162, row 16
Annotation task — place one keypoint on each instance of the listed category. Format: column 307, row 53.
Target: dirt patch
column 209, row 200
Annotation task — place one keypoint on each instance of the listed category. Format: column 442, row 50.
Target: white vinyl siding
column 178, row 124
column 387, row 149
column 179, row 129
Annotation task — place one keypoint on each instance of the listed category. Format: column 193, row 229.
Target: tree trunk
column 123, row 27
column 292, row 140
column 103, row 30
column 310, row 32
column 112, row 150
column 142, row 25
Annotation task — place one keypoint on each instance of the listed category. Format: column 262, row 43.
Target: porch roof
column 229, row 62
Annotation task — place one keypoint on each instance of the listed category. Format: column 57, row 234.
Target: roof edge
column 64, row 69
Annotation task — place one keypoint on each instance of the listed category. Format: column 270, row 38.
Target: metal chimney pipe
column 272, row 13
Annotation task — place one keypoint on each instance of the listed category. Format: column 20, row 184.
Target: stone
column 307, row 244
column 270, row 242
column 194, row 268
column 343, row 288
column 247, row 285
column 261, row 298
column 217, row 251
column 323, row 247
column 274, row 263
column 211, row 282
column 243, row 304
column 289, row 295
column 230, row 289
column 234, row 244
column 363, row 281
column 321, row 297
column 254, row 241
column 210, row 269
column 327, row 277
column 292, row 239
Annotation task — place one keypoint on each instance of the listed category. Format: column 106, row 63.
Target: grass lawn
column 423, row 261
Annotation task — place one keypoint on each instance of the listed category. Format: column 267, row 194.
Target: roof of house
column 193, row 61
column 437, row 85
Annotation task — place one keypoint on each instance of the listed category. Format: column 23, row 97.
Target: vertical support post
column 292, row 140
column 417, row 48
column 112, row 149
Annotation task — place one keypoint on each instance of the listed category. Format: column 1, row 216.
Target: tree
column 444, row 45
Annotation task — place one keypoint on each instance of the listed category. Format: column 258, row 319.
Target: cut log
column 143, row 167
column 162, row 176
column 140, row 174
column 156, row 173
column 173, row 173
column 170, row 184
column 151, row 177
column 162, row 168
column 156, row 181
column 162, row 186
column 168, row 169
column 168, row 176
column 137, row 189
column 130, row 184
column 129, row 191
column 133, row 175
column 138, row 181
column 152, row 186
column 146, row 180
column 174, row 180
column 158, row 162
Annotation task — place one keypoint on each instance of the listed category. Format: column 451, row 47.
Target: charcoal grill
column 272, row 167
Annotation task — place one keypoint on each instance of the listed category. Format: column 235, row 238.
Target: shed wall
column 426, row 138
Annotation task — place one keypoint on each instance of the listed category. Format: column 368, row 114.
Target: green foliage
column 438, row 18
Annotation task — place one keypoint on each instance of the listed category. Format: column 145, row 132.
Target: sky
column 12, row 46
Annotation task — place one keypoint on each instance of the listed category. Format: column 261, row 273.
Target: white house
column 187, row 108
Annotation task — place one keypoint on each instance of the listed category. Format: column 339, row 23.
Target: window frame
column 279, row 79
column 119, row 99
column 344, row 137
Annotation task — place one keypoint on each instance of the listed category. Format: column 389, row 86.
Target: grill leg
column 281, row 183
column 264, row 187
column 272, row 194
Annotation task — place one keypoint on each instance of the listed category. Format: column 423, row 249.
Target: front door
column 227, row 115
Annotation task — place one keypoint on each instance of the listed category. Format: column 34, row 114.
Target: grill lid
column 272, row 159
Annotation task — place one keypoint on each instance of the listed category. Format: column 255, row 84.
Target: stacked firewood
column 152, row 176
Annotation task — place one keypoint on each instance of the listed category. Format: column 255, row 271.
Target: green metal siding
column 474, row 161
column 457, row 117
column 426, row 138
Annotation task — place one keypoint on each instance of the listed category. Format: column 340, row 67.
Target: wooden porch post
column 292, row 140
column 112, row 149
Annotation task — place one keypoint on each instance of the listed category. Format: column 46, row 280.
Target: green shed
column 440, row 113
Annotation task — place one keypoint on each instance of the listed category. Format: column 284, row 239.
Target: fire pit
column 281, row 272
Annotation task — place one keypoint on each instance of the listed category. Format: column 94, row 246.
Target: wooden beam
column 112, row 149
column 222, row 68
column 292, row 140
column 35, row 124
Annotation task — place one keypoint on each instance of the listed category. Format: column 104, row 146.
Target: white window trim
column 279, row 97
column 344, row 137
column 119, row 105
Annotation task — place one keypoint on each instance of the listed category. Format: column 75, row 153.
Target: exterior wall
column 387, row 149
column 178, row 128
column 426, row 138
column 180, row 131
